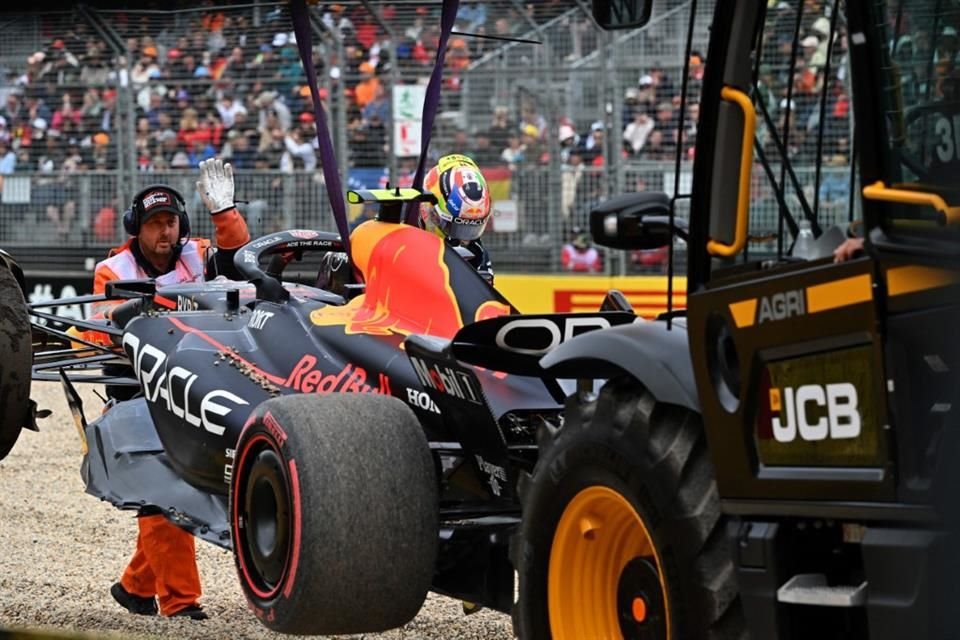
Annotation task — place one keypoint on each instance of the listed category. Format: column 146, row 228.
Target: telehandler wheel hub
column 604, row 579
column 640, row 604
column 268, row 509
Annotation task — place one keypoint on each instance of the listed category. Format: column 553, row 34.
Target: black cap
column 156, row 201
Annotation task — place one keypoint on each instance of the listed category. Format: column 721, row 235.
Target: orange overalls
column 164, row 565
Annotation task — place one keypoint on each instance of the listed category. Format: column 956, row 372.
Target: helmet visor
column 460, row 228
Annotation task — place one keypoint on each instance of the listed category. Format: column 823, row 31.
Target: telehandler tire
column 16, row 359
column 622, row 534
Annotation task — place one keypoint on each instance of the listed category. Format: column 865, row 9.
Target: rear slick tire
column 333, row 514
column 622, row 534
column 16, row 359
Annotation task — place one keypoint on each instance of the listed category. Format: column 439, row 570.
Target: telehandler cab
column 781, row 459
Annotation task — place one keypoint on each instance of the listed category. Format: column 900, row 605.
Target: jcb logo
column 839, row 421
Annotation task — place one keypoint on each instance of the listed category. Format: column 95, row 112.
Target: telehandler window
column 804, row 158
column 921, row 104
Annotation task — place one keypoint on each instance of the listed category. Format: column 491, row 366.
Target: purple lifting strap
column 431, row 101
column 328, row 161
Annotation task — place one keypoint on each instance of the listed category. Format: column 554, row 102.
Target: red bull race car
column 354, row 451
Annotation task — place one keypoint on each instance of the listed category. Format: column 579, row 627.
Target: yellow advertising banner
column 561, row 293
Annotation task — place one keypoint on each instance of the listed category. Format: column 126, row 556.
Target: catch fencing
column 100, row 102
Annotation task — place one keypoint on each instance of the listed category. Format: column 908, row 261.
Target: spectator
column 810, row 44
column 73, row 161
column 631, row 105
column 636, row 133
column 474, row 14
column 264, row 65
column 514, row 151
column 667, row 123
column 183, row 101
column 572, row 172
column 835, row 188
column 568, row 138
column 154, row 108
column 8, row 159
column 379, row 105
column 242, row 150
column 105, row 224
column 213, row 20
column 108, row 108
column 228, row 108
column 37, row 108
column 592, row 145
column 460, row 143
column 647, row 90
column 180, row 160
column 483, row 151
column 298, row 152
column 14, row 111
column 94, row 70
column 529, row 115
column 501, row 129
column 578, row 255
column 369, row 141
column 142, row 138
column 648, row 259
column 289, row 73
column 186, row 66
column 48, row 191
column 236, row 67
column 269, row 104
column 271, row 144
column 146, row 68
column 188, row 135
column 66, row 119
column 168, row 146
column 103, row 152
column 589, row 191
column 200, row 138
column 37, row 133
column 366, row 89
column 336, row 20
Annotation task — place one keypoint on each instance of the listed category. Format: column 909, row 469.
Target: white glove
column 216, row 185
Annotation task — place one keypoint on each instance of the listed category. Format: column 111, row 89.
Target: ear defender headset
column 133, row 217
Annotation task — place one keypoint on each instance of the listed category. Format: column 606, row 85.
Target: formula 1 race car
column 340, row 444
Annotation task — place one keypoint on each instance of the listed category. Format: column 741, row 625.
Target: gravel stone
column 62, row 549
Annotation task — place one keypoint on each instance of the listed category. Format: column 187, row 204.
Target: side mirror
column 635, row 221
column 622, row 14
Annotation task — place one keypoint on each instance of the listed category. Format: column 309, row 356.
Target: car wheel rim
column 605, row 578
column 267, row 513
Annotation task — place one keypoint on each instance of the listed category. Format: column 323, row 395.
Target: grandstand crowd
column 224, row 81
column 217, row 85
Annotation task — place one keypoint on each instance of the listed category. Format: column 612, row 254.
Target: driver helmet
column 463, row 199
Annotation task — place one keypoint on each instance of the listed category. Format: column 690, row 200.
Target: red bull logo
column 307, row 378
